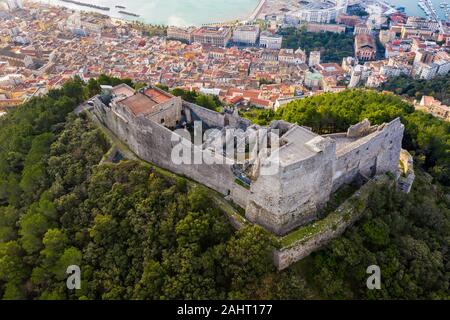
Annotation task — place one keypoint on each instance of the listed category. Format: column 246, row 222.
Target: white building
column 11, row 80
column 299, row 56
column 284, row 101
column 362, row 28
column 356, row 75
column 443, row 66
column 314, row 58
column 286, row 56
column 422, row 23
column 375, row 80
column 292, row 57
column 210, row 91
column 246, row 34
column 14, row 4
column 321, row 11
column 348, row 63
column 270, row 41
column 390, row 71
column 182, row 34
column 426, row 71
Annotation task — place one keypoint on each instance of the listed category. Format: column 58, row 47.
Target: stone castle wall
column 209, row 117
column 323, row 231
column 212, row 118
column 153, row 143
column 169, row 114
column 293, row 196
column 309, row 170
column 376, row 153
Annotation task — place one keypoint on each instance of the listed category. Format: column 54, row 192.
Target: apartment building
column 246, row 34
column 269, row 40
column 216, row 36
column 182, row 34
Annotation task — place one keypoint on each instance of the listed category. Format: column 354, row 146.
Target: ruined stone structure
column 313, row 166
column 310, row 167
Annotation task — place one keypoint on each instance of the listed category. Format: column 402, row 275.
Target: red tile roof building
column 365, row 47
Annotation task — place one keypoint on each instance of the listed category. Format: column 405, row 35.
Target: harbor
column 412, row 7
column 430, row 11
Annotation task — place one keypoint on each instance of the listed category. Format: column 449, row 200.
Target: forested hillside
column 438, row 87
column 134, row 233
column 137, row 233
column 407, row 236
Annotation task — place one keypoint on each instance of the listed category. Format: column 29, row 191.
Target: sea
column 198, row 12
column 173, row 12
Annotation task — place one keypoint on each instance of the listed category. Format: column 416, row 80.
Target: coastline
column 251, row 18
column 254, row 15
column 112, row 14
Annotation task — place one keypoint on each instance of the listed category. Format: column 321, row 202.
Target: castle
column 310, row 167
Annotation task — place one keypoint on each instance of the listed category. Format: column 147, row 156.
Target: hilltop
column 138, row 233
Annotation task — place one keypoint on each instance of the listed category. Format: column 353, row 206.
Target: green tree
column 333, row 46
column 8, row 219
column 93, row 87
column 32, row 228
column 249, row 257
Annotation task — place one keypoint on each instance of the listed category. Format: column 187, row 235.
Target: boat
column 129, row 13
column 120, row 7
